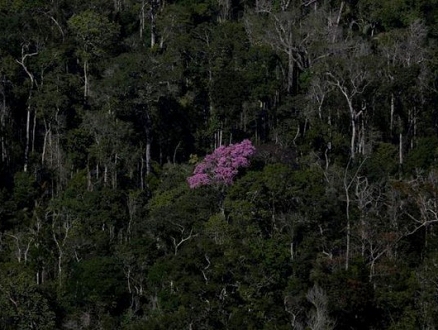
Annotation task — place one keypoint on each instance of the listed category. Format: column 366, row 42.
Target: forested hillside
column 321, row 116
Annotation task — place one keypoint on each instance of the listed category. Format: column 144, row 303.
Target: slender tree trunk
column 347, row 186
column 132, row 209
column 290, row 71
column 89, row 184
column 115, row 172
column 218, row 133
column 400, row 154
column 362, row 134
column 353, row 137
column 86, row 87
column 60, row 244
column 26, row 148
column 34, row 130
column 142, row 19
column 59, row 165
column 391, row 123
column 338, row 19
column 353, row 122
column 117, row 5
column 3, row 126
column 32, row 82
column 414, row 127
column 105, row 174
column 148, row 136
column 348, row 227
column 225, row 8
column 347, row 214
column 148, row 156
column 362, row 234
column 153, row 16
column 175, row 151
column 354, row 115
column 400, row 159
column 141, row 172
column 46, row 137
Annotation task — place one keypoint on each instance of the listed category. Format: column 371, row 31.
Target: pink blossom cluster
column 222, row 165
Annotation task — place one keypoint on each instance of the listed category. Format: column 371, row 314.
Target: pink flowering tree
column 221, row 167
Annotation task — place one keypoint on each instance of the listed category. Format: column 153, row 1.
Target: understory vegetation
column 116, row 115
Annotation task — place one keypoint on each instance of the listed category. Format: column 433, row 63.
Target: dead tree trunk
column 22, row 62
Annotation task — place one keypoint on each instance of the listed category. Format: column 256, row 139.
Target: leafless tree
column 348, row 181
column 351, row 81
column 25, row 54
column 289, row 32
column 318, row 318
column 404, row 48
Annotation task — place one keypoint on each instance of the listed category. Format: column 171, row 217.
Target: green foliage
column 23, row 305
column 25, row 190
column 383, row 161
column 94, row 237
column 76, row 143
column 390, row 14
column 423, row 155
column 98, row 281
column 352, row 296
column 93, row 33
column 395, row 298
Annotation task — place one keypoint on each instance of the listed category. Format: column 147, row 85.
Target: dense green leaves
column 23, row 304
column 105, row 108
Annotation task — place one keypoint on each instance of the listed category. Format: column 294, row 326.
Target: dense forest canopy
column 107, row 108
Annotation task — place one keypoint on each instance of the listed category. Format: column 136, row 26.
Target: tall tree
column 94, row 34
